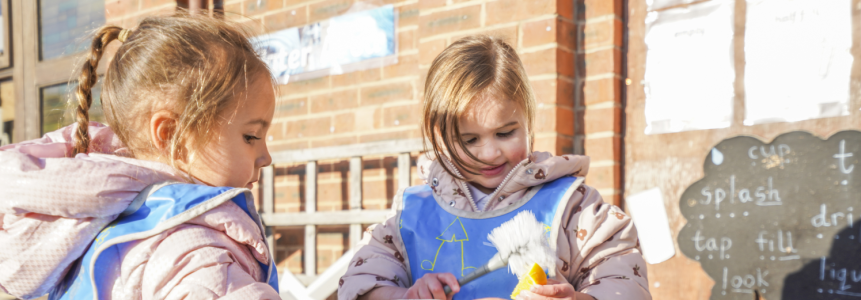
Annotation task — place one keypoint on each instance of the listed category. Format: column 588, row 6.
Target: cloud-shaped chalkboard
column 781, row 219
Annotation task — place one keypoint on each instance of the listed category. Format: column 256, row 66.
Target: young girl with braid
column 156, row 204
column 479, row 117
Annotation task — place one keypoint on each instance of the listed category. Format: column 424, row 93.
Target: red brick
column 286, row 19
column 565, row 8
column 291, row 107
column 408, row 15
column 604, row 33
column 426, row 4
column 504, row 11
column 333, row 101
column 256, row 7
column 327, row 9
column 597, row 8
column 351, row 78
column 131, row 6
column 449, row 21
column 233, row 11
column 332, row 196
column 552, row 91
column 539, row 32
column 607, row 148
column 508, row 34
column 565, row 121
column 602, row 120
column 308, row 127
column 556, row 144
column 386, row 92
column 602, row 90
column 549, row 61
column 607, row 177
column 402, row 115
column 304, row 86
column 342, row 123
column 407, row 40
column 603, row 62
column 369, row 118
column 408, row 65
column 428, row 51
column 288, row 198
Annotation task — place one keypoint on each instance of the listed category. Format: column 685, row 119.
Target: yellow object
column 534, row 276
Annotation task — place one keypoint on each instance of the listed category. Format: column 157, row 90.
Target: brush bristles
column 523, row 240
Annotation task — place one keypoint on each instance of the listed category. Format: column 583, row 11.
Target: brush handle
column 493, row 264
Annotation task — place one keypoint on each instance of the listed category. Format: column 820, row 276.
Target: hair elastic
column 124, row 34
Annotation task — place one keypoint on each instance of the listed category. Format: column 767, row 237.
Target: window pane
column 64, row 24
column 7, row 111
column 2, row 32
column 59, row 111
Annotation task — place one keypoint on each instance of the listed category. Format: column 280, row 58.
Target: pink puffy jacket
column 53, row 205
column 598, row 250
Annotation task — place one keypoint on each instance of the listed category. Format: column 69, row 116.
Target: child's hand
column 431, row 285
column 554, row 289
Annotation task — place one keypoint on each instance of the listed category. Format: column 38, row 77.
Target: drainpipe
column 194, row 6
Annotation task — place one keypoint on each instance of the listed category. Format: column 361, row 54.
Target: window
column 4, row 34
column 64, row 24
column 7, row 111
column 59, row 104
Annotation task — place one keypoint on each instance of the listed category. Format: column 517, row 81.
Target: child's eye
column 471, row 141
column 249, row 138
column 506, row 134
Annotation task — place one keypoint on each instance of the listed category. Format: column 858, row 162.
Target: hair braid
column 86, row 81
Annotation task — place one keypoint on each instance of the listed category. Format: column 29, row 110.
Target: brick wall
column 600, row 107
column 575, row 102
column 128, row 13
column 382, row 104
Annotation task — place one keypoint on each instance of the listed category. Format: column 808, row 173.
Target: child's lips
column 493, row 171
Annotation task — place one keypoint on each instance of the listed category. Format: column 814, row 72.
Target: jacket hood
column 537, row 169
column 52, row 205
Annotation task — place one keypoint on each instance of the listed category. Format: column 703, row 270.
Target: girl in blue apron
column 157, row 205
column 479, row 117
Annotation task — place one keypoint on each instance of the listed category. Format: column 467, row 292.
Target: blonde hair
column 467, row 70
column 192, row 65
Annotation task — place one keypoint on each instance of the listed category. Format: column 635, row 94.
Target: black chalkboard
column 782, row 219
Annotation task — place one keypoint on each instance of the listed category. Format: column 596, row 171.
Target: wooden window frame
column 30, row 73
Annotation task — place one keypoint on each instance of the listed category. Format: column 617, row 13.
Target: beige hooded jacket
column 598, row 251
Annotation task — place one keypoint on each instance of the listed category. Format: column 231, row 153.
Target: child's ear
column 161, row 127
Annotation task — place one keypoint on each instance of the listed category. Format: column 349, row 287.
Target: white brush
column 520, row 242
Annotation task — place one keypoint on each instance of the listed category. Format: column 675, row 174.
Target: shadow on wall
column 837, row 276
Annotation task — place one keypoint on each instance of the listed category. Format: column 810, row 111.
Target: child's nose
column 489, row 152
column 265, row 159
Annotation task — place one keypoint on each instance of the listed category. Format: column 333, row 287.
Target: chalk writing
column 777, row 218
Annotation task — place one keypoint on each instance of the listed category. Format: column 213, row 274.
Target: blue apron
column 158, row 208
column 439, row 239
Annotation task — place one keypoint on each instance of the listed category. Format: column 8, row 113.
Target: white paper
column 689, row 68
column 797, row 60
column 653, row 227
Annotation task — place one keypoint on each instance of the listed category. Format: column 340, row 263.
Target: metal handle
column 495, row 263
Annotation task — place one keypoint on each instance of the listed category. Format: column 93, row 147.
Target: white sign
column 653, row 227
column 689, row 68
column 345, row 43
column 797, row 60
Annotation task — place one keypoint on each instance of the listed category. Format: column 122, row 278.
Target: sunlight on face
column 494, row 130
column 238, row 151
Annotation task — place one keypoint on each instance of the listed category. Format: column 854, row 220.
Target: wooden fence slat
column 311, row 187
column 356, row 183
column 267, row 181
column 355, row 235
column 404, row 170
column 310, row 250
